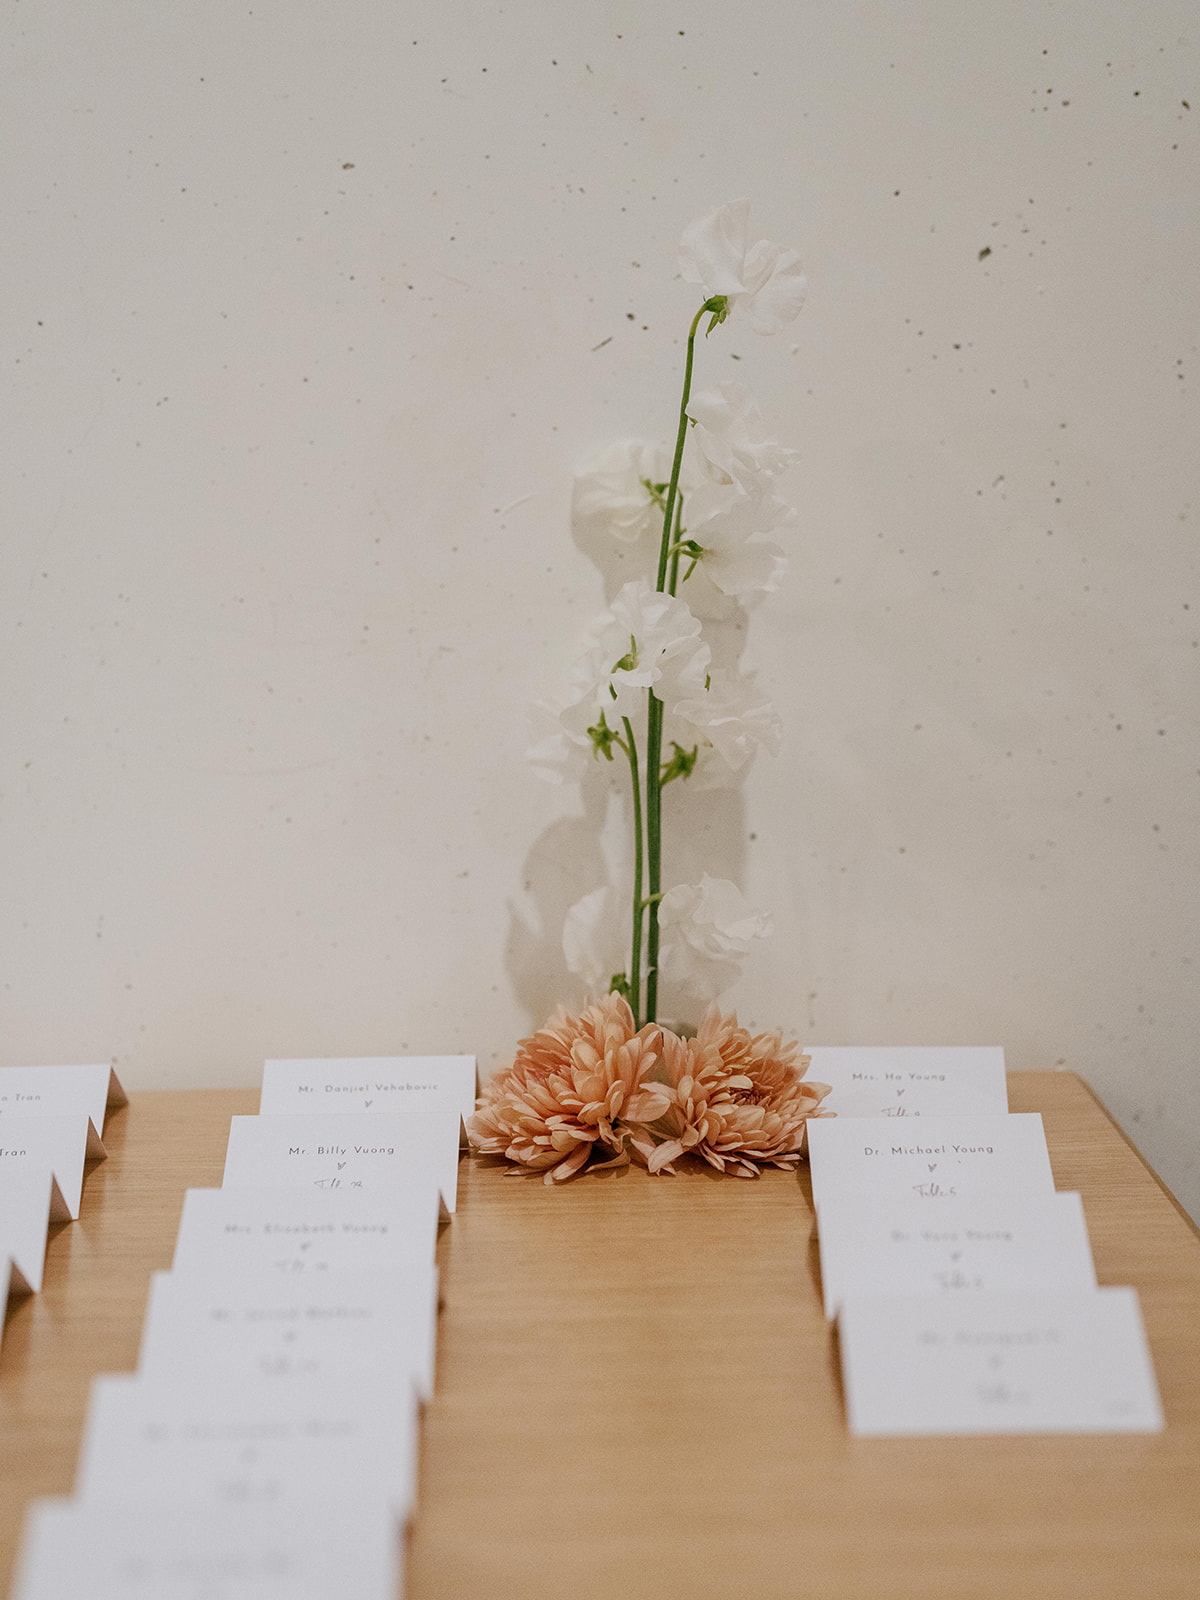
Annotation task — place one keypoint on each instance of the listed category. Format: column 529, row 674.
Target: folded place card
column 998, row 1363
column 301, row 1550
column 969, row 1245
column 58, row 1091
column 150, row 1442
column 359, row 1150
column 306, row 1233
column 58, row 1144
column 240, row 1328
column 945, row 1158
column 29, row 1203
column 371, row 1083
column 911, row 1080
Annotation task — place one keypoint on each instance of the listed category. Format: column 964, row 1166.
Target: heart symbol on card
column 899, row 1092
column 933, row 1166
column 956, row 1255
column 368, row 1104
column 306, row 1245
column 341, row 1164
column 289, row 1337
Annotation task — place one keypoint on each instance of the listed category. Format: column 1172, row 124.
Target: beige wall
column 305, row 330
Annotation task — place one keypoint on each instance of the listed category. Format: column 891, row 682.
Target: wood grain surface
column 638, row 1395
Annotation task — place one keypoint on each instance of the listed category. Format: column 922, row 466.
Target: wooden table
column 638, row 1396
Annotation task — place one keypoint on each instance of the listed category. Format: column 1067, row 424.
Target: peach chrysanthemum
column 572, row 1088
column 739, row 1102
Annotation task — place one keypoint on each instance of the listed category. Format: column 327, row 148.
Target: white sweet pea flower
column 562, row 751
column 722, row 524
column 763, row 282
column 730, row 435
column 595, row 934
column 646, row 640
column 610, row 494
column 705, row 930
column 731, row 717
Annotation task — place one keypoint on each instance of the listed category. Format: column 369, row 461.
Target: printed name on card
column 306, row 1233
column 371, row 1083
column 967, row 1246
column 60, row 1091
column 997, row 1363
column 942, row 1158
column 902, row 1081
column 58, row 1144
column 292, row 1550
column 243, row 1330
column 358, row 1150
column 148, row 1443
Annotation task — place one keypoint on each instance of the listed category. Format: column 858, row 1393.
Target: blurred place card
column 56, row 1091
column 240, row 1328
column 986, row 1242
column 910, row 1080
column 74, row 1550
column 353, row 1150
column 13, row 1285
column 29, row 1203
column 150, row 1442
column 307, row 1233
column 998, row 1363
column 59, row 1144
column 371, row 1083
column 946, row 1158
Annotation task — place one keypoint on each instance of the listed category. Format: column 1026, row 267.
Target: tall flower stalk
column 649, row 673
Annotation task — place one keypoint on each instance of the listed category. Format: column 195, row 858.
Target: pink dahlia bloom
column 738, row 1101
column 572, row 1089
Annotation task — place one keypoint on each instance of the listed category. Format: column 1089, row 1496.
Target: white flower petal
column 713, row 248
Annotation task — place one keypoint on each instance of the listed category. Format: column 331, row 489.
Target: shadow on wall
column 704, row 830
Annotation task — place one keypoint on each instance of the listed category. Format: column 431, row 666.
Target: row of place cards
column 266, row 1447
column 961, row 1282
column 51, row 1122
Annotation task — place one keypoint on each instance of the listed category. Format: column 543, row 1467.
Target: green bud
column 603, row 738
column 718, row 305
column 620, row 985
column 629, row 660
column 680, row 764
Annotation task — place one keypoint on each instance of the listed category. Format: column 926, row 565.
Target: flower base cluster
column 595, row 1090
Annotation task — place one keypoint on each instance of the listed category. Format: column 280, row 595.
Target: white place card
column 967, row 1246
column 29, row 1202
column 12, row 1285
column 942, row 1159
column 300, row 1550
column 359, row 1150
column 151, row 1443
column 59, row 1144
column 240, row 1329
column 998, row 1363
column 911, row 1080
column 370, row 1083
column 59, row 1091
column 306, row 1233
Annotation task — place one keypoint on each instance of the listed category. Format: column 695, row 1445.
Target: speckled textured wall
column 309, row 312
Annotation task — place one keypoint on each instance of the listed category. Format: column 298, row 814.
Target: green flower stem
column 654, row 723
column 672, row 511
column 716, row 307
column 639, row 909
column 675, row 546
column 660, row 583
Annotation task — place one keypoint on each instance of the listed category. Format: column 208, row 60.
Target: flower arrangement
column 612, row 1083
